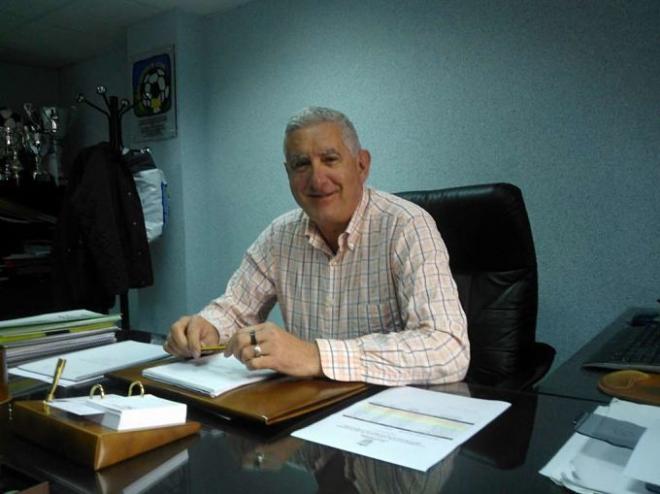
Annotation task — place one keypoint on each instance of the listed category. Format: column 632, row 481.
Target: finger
column 263, row 362
column 177, row 342
column 194, row 334
column 238, row 342
column 234, row 347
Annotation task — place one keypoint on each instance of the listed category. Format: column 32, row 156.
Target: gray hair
column 313, row 115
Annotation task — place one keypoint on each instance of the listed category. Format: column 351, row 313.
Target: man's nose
column 317, row 175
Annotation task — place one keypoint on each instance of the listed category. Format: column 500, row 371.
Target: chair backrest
column 492, row 257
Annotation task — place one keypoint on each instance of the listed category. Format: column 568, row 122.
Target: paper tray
column 271, row 401
column 87, row 442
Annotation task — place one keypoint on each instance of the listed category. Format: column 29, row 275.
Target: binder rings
column 87, row 442
column 268, row 402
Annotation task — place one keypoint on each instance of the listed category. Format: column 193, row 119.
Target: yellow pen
column 214, row 348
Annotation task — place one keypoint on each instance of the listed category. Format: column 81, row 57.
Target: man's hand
column 188, row 335
column 276, row 349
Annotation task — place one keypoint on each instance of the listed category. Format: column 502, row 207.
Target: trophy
column 36, row 141
column 55, row 122
column 11, row 165
column 10, row 128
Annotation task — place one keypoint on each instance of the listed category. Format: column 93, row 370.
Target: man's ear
column 364, row 163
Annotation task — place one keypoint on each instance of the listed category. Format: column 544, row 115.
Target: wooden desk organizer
column 87, row 442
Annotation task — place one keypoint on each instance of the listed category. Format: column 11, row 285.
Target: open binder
column 86, row 441
column 269, row 402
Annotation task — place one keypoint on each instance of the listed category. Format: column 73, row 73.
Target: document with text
column 406, row 426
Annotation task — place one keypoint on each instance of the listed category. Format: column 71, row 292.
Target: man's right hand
column 188, row 335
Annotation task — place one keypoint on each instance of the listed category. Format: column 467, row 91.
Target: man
column 361, row 276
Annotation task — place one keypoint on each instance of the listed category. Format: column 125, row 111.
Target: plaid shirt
column 383, row 310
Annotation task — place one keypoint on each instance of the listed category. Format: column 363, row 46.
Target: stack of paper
column 29, row 338
column 124, row 413
column 212, row 375
column 92, row 363
column 588, row 464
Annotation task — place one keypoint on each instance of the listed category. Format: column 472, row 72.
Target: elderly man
column 362, row 277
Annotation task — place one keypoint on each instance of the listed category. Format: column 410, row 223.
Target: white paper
column 64, row 383
column 406, row 426
column 643, row 463
column 52, row 317
column 125, row 412
column 76, row 405
column 584, row 464
column 93, row 362
column 212, row 375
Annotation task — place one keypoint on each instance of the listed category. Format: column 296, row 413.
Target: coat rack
column 115, row 109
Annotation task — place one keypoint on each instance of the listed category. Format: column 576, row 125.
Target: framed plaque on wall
column 154, row 95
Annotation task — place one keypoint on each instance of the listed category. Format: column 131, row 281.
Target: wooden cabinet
column 27, row 224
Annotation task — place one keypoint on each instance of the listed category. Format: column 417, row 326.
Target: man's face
column 326, row 179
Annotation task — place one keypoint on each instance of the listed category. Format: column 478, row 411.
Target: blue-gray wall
column 558, row 97
column 22, row 84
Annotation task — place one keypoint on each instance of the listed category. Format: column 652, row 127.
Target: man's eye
column 331, row 159
column 299, row 164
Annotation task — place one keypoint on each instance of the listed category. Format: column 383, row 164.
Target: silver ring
column 257, row 351
column 253, row 338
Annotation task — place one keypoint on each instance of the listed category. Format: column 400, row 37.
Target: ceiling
column 56, row 33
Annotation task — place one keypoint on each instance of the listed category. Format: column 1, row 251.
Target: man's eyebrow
column 295, row 158
column 329, row 151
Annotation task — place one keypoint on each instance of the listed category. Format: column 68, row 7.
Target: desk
column 234, row 456
column 571, row 380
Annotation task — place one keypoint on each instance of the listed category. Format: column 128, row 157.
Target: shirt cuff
column 341, row 359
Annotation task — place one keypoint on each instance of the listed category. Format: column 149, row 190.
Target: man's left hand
column 275, row 349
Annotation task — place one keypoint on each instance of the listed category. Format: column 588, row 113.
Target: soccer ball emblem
column 155, row 90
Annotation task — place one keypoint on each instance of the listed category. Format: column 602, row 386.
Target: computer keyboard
column 634, row 347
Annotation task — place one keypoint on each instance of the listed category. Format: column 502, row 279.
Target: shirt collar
column 352, row 232
column 349, row 237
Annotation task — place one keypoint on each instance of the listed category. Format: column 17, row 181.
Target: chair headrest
column 485, row 227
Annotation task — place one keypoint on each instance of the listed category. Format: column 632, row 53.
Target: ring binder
column 94, row 389
column 133, row 384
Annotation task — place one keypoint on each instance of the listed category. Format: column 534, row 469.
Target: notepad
column 122, row 413
column 212, row 375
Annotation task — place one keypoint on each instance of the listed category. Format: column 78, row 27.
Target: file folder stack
column 32, row 338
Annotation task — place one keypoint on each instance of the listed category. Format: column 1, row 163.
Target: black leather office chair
column 492, row 258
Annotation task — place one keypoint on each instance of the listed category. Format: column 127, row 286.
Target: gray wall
column 22, row 84
column 558, row 97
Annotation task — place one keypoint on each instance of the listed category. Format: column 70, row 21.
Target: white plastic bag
column 152, row 189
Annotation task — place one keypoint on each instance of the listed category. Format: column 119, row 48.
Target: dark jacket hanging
column 101, row 245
